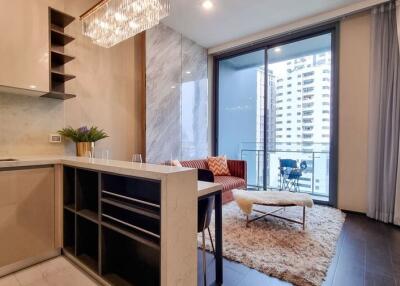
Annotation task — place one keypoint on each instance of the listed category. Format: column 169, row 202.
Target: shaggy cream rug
column 282, row 249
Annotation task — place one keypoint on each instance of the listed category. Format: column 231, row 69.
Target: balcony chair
column 290, row 173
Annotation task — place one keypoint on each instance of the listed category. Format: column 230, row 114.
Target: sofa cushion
column 218, row 165
column 230, row 182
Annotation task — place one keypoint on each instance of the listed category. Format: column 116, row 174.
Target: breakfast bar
column 123, row 223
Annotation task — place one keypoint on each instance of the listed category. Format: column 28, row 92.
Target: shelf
column 134, row 222
column 131, row 235
column 87, row 191
column 69, row 231
column 60, row 18
column 87, row 244
column 144, row 192
column 129, row 262
column 89, row 262
column 130, row 207
column 70, row 208
column 60, row 38
column 60, row 58
column 69, row 250
column 61, row 77
column 115, row 279
column 59, row 95
column 88, row 214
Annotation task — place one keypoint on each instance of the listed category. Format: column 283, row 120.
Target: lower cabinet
column 26, row 215
column 112, row 226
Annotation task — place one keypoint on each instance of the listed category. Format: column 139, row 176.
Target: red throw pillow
column 218, row 165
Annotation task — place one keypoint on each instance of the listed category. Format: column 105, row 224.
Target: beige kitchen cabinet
column 27, row 216
column 24, row 44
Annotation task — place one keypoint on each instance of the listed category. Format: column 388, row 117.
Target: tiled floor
column 55, row 272
column 368, row 254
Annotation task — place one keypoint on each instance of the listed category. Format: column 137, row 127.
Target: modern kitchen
column 74, row 179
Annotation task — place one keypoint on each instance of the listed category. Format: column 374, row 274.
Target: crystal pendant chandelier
column 112, row 21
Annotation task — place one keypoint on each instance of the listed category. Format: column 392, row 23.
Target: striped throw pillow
column 218, row 165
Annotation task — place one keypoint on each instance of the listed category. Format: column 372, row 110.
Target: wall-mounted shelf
column 58, row 58
column 59, row 38
column 59, row 95
column 60, row 76
column 60, row 19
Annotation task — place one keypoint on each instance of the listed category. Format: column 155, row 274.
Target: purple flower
column 83, row 130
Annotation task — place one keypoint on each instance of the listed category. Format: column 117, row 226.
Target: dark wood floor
column 368, row 253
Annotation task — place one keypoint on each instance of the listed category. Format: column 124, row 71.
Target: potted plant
column 84, row 138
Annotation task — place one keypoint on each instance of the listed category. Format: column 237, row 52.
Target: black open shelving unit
column 58, row 39
column 112, row 225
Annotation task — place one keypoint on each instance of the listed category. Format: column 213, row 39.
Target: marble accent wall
column 176, row 97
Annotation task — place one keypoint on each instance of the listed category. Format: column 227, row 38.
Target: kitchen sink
column 8, row 160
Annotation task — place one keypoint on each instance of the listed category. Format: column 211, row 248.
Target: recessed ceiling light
column 278, row 50
column 32, row 86
column 207, row 4
column 173, row 86
column 188, row 72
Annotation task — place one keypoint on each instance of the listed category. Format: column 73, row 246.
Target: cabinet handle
column 131, row 199
column 131, row 225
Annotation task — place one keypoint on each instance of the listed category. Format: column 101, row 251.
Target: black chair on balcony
column 205, row 208
column 290, row 174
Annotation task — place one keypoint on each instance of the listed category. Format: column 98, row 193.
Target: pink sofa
column 237, row 180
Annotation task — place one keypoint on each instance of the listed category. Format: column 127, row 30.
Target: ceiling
column 233, row 19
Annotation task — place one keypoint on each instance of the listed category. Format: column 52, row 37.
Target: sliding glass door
column 276, row 105
column 241, row 112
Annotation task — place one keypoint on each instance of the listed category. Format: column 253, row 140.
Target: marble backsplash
column 26, row 123
column 176, row 96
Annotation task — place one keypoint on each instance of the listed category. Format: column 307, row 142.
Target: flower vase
column 83, row 149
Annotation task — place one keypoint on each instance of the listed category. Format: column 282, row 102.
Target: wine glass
column 137, row 158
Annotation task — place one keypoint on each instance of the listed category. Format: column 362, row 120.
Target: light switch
column 55, row 138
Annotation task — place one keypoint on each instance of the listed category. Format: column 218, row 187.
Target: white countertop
column 120, row 167
column 206, row 188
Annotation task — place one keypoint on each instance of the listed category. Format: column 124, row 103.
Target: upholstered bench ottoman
column 281, row 199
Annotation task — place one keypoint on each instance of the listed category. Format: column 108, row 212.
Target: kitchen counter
column 82, row 184
column 122, row 167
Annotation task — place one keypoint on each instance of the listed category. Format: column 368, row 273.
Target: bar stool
column 205, row 208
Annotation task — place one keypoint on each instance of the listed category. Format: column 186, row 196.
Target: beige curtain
column 397, row 199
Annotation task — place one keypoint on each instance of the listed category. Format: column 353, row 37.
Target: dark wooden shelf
column 70, row 250
column 89, row 262
column 59, row 95
column 60, row 76
column 60, row 58
column 60, row 18
column 70, row 207
column 60, row 38
column 115, row 279
column 130, row 207
column 131, row 235
column 88, row 214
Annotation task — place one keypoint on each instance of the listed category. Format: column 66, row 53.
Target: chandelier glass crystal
column 113, row 21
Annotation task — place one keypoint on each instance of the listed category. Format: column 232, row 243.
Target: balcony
column 315, row 178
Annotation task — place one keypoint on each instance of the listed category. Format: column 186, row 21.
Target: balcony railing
column 314, row 179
